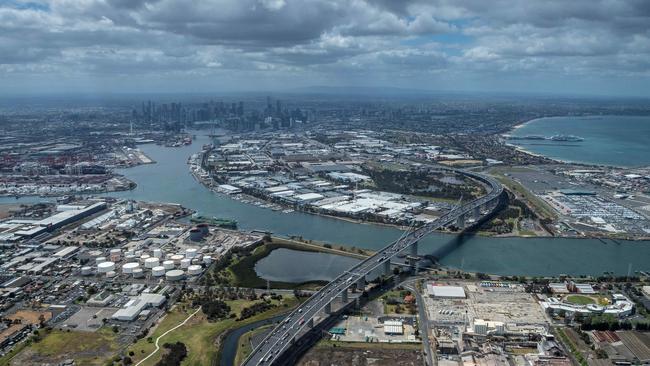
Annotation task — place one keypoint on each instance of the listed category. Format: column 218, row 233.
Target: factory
column 14, row 230
column 132, row 309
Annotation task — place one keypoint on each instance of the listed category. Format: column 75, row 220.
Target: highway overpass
column 270, row 351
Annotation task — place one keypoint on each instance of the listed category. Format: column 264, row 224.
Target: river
column 169, row 180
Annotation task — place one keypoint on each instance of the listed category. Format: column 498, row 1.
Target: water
column 609, row 140
column 169, row 181
column 287, row 265
column 230, row 342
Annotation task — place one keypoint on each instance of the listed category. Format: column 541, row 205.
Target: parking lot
column 371, row 329
column 88, row 318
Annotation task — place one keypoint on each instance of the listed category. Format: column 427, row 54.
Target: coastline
column 564, row 161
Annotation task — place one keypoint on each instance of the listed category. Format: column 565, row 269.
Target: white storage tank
column 157, row 253
column 86, row 270
column 138, row 273
column 130, row 257
column 116, row 251
column 151, row 262
column 105, row 267
column 194, row 270
column 186, row 262
column 99, row 260
column 158, row 271
column 144, row 257
column 175, row 275
column 177, row 258
column 111, row 274
column 191, row 252
column 168, row 264
column 207, row 259
column 129, row 267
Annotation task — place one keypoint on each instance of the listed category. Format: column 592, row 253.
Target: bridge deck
column 273, row 346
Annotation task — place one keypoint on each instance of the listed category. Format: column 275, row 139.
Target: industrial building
column 132, row 309
column 445, row 292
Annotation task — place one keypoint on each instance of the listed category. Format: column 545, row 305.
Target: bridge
column 276, row 343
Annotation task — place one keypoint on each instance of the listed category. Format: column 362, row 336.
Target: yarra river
column 169, row 180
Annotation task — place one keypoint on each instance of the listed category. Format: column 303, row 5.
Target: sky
column 592, row 47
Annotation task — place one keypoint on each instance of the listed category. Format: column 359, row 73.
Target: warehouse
column 393, row 327
column 135, row 306
column 445, row 292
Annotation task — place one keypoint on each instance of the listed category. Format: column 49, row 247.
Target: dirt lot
column 7, row 209
column 30, row 316
column 381, row 355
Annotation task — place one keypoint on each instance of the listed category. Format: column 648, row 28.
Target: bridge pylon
column 387, row 271
column 344, row 296
column 361, row 283
column 413, row 249
column 460, row 222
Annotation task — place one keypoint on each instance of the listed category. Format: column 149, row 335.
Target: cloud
column 407, row 42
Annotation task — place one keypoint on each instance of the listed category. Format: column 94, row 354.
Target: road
column 289, row 330
column 424, row 322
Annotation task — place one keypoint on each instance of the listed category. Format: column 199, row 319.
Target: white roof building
column 393, row 327
column 136, row 305
column 446, row 292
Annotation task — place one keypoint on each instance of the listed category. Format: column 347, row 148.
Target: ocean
column 622, row 141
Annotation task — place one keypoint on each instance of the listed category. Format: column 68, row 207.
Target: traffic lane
column 365, row 266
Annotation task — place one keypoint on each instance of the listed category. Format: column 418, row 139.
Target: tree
column 175, row 355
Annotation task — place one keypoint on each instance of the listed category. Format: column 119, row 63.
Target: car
column 300, row 310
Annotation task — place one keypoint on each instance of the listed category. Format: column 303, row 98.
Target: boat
column 568, row 138
column 528, row 137
column 216, row 221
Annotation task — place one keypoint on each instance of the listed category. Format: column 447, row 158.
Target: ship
column 216, row 221
column 528, row 137
column 568, row 138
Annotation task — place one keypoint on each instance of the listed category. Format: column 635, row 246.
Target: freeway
column 270, row 350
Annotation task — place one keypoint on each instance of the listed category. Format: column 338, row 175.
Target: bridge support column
column 416, row 267
column 361, row 284
column 310, row 323
column 477, row 213
column 344, row 296
column 328, row 308
column 414, row 249
column 460, row 222
column 387, row 271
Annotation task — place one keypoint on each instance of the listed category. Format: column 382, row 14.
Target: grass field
column 580, row 299
column 86, row 348
column 199, row 335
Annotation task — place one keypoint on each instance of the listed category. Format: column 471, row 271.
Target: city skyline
column 96, row 47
